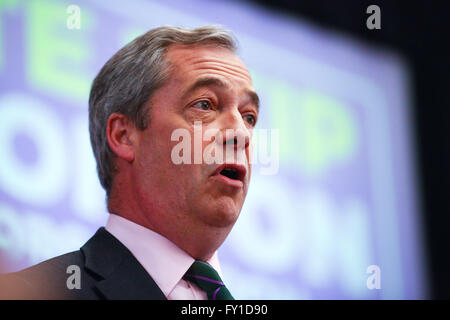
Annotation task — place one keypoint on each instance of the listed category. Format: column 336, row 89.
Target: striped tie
column 206, row 278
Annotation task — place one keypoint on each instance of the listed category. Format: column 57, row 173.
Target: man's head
column 166, row 80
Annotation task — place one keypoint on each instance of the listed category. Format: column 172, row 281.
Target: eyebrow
column 212, row 81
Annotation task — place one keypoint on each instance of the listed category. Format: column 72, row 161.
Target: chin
column 223, row 213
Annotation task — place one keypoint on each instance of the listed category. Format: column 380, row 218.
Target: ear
column 121, row 135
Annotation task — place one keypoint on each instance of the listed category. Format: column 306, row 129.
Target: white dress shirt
column 164, row 261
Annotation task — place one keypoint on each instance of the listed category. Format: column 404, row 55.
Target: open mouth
column 230, row 173
column 233, row 172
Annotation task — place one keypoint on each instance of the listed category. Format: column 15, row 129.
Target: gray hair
column 130, row 77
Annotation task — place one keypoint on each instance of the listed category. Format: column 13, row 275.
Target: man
column 167, row 219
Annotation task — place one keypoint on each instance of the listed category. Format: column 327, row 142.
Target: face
column 210, row 86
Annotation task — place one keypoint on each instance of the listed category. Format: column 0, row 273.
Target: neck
column 199, row 240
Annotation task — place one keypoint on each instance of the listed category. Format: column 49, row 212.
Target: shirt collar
column 164, row 261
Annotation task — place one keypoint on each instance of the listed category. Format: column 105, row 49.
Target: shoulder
column 102, row 269
column 46, row 280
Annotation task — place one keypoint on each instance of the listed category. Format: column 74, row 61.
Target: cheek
column 172, row 174
column 158, row 141
column 153, row 158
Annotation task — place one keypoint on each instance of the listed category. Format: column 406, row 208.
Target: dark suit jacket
column 108, row 271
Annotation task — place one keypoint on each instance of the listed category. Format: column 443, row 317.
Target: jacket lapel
column 121, row 275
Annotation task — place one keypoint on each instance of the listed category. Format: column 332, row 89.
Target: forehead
column 190, row 62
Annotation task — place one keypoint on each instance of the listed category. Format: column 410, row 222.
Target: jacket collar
column 121, row 275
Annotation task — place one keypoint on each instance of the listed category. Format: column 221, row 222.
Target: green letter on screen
column 57, row 55
column 328, row 132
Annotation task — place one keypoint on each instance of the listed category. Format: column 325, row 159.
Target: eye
column 204, row 105
column 251, row 119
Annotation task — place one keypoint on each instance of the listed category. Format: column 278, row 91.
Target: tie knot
column 206, row 278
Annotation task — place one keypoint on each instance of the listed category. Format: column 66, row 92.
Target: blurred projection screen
column 339, row 204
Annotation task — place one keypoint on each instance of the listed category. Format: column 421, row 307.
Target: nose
column 235, row 130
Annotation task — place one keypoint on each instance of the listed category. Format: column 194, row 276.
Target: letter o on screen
column 253, row 241
column 41, row 183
